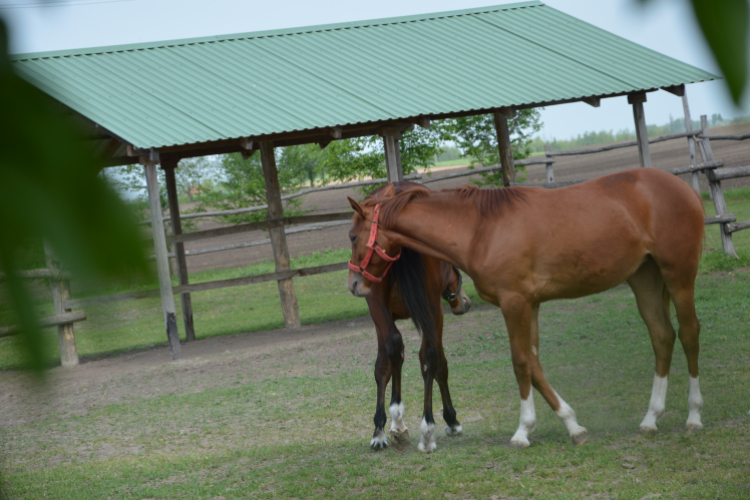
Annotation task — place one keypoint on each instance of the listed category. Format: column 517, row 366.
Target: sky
column 666, row 26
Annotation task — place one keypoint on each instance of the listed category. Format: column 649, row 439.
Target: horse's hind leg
column 429, row 360
column 453, row 428
column 653, row 304
column 682, row 293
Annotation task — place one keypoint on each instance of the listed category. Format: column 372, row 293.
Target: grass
column 260, row 432
column 714, row 259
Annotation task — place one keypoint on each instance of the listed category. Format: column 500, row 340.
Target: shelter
column 156, row 103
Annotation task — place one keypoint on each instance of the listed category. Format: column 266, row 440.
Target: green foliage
column 364, row 157
column 302, row 162
column 244, row 186
column 50, row 190
column 476, row 137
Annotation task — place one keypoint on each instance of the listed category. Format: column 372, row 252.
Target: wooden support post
column 60, row 295
column 714, row 186
column 179, row 248
column 289, row 305
column 691, row 141
column 162, row 261
column 391, row 136
column 550, row 172
column 503, row 146
column 641, row 132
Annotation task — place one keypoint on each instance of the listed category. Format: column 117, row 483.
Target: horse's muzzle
column 355, row 284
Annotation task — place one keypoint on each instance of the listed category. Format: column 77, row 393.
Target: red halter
column 373, row 246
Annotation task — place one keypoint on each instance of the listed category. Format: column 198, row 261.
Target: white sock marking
column 427, row 442
column 397, row 417
column 695, row 405
column 568, row 416
column 657, row 404
column 526, row 423
column 379, row 440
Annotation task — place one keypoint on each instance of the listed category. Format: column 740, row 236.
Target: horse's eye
column 353, row 237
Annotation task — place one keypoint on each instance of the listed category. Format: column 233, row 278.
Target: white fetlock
column 526, row 424
column 427, row 443
column 577, row 433
column 456, row 430
column 656, row 405
column 695, row 406
column 397, row 417
column 379, row 440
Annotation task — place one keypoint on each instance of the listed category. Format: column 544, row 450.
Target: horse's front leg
column 517, row 312
column 382, row 376
column 382, row 321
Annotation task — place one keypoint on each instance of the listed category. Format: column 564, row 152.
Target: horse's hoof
column 379, row 441
column 647, row 429
column 427, row 447
column 519, row 445
column 580, row 437
column 691, row 427
column 454, row 431
column 400, row 440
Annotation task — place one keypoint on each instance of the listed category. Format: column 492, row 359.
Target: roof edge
column 276, row 32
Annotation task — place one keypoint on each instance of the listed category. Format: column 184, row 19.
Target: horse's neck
column 439, row 227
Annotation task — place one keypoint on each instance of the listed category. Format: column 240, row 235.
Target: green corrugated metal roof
column 273, row 82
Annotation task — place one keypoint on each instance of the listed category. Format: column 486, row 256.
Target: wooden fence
column 65, row 317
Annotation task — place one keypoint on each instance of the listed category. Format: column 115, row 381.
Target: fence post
column 289, row 305
column 503, row 146
column 641, row 131
column 550, row 172
column 691, row 142
column 391, row 136
column 179, row 248
column 162, row 261
column 60, row 294
column 714, row 187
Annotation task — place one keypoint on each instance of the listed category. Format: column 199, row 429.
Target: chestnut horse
column 412, row 290
column 523, row 246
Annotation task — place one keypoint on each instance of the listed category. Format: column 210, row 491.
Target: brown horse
column 523, row 246
column 412, row 290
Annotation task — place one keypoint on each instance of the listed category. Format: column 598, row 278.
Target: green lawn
column 278, row 434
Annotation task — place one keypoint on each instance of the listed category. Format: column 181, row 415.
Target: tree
column 477, row 139
column 302, row 162
column 244, row 186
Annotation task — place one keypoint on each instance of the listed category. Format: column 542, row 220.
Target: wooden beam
column 700, row 167
column 592, row 101
column 162, row 262
column 720, row 219
column 691, row 141
column 179, row 248
column 507, row 112
column 732, row 173
column 289, row 305
column 678, row 90
column 423, row 122
column 732, row 228
column 550, row 171
column 504, row 148
column 641, row 132
column 335, row 132
column 58, row 320
column 60, row 295
column 717, row 193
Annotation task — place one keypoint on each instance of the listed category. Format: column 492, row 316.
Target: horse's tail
column 410, row 276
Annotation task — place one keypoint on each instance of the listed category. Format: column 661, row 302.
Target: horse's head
column 372, row 253
column 459, row 302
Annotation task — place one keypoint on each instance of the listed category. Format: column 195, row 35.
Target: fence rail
column 60, row 319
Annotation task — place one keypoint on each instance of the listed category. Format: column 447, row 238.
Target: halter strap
column 450, row 297
column 373, row 247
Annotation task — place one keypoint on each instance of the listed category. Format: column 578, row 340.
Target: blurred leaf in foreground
column 50, row 190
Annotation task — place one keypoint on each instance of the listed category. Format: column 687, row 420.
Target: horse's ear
column 389, row 191
column 356, row 206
